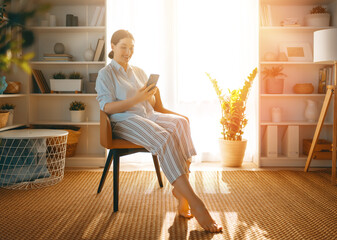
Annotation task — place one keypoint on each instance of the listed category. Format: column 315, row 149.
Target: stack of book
column 57, row 57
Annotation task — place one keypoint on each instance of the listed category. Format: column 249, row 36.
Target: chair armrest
column 160, row 108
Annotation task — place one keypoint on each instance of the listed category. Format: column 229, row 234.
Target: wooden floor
column 195, row 166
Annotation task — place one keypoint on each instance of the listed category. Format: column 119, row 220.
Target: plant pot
column 77, row 116
column 318, row 20
column 275, row 85
column 66, row 85
column 232, row 152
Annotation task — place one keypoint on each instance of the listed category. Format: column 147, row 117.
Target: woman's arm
column 143, row 94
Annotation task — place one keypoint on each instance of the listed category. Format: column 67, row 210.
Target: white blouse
column 114, row 84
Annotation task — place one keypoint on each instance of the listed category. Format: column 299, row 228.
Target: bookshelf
column 293, row 105
column 52, row 108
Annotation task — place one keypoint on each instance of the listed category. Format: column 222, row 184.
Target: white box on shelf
column 290, row 142
column 66, row 85
column 269, row 142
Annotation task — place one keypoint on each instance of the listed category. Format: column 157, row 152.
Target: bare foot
column 204, row 218
column 183, row 207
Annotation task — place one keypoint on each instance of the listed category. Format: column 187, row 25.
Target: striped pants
column 168, row 137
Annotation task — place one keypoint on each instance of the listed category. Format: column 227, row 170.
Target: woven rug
column 249, row 205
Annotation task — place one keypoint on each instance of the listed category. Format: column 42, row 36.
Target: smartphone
column 152, row 79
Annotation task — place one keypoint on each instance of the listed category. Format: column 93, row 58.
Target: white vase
column 89, row 54
column 77, row 116
column 311, row 111
column 232, row 152
column 276, row 114
column 10, row 117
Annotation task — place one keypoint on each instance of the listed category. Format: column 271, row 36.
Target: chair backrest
column 105, row 130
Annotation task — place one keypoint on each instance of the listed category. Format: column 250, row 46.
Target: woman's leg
column 180, row 130
column 183, row 206
column 198, row 208
column 159, row 141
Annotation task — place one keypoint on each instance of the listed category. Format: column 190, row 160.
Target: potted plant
column 10, row 108
column 233, row 121
column 274, row 78
column 318, row 17
column 77, row 111
column 13, row 23
column 59, row 82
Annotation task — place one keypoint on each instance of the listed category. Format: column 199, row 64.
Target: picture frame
column 297, row 51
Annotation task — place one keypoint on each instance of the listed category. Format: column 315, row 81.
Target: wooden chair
column 120, row 147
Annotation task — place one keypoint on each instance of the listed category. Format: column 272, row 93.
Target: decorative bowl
column 303, row 88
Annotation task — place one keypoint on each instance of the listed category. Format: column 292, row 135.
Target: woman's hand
column 145, row 94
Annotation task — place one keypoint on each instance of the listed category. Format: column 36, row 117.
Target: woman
column 122, row 93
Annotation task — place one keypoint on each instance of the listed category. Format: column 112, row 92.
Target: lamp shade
column 325, row 46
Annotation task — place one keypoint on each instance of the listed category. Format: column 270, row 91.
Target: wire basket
column 32, row 163
column 3, row 118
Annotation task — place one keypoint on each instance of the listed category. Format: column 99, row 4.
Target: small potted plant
column 318, row 17
column 274, row 78
column 10, row 108
column 77, row 111
column 60, row 83
column 233, row 121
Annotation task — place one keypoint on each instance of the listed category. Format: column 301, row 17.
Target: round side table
column 32, row 158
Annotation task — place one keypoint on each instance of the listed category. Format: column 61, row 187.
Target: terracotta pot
column 303, row 88
column 232, row 152
column 274, row 85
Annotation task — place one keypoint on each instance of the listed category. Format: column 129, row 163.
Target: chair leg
column 105, row 171
column 116, row 179
column 156, row 165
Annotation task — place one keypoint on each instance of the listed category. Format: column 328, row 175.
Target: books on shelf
column 99, row 51
column 325, row 78
column 265, row 15
column 40, row 81
column 269, row 142
column 57, row 57
column 290, row 142
column 98, row 16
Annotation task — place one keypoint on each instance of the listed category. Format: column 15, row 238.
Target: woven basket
column 13, row 87
column 71, row 149
column 74, row 134
column 73, row 137
column 3, row 118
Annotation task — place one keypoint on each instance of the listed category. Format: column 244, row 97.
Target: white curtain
column 183, row 39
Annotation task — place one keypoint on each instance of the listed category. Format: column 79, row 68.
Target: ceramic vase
column 276, row 114
column 311, row 111
column 59, row 48
column 89, row 54
column 3, row 84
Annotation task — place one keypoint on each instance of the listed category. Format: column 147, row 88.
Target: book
column 57, row 59
column 41, row 81
column 95, row 16
column 99, row 49
column 290, row 142
column 269, row 142
column 100, row 17
column 320, row 84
